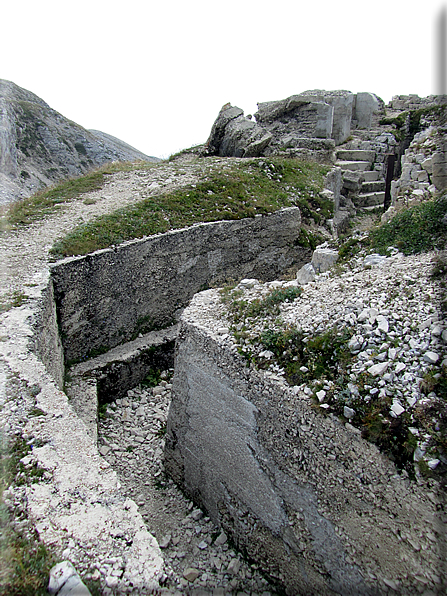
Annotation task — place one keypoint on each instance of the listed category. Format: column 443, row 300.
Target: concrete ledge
column 111, row 375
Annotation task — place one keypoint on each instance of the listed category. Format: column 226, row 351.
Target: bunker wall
column 320, row 508
column 112, row 296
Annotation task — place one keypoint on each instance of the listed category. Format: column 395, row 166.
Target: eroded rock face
column 39, row 146
column 233, row 135
column 307, row 125
column 297, row 114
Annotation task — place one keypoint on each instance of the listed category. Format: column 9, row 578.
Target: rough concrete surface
column 283, row 480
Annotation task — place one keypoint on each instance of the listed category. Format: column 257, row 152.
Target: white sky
column 156, row 73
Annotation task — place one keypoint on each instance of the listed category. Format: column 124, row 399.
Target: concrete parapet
column 112, row 296
column 282, row 479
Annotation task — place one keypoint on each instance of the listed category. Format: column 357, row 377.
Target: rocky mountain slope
column 39, row 146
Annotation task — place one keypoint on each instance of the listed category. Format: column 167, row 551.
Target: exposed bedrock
column 39, row 146
column 282, row 479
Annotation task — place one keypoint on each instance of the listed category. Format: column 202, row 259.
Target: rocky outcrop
column 308, row 125
column 39, row 146
column 233, row 135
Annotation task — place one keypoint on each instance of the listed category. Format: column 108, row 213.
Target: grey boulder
column 233, row 135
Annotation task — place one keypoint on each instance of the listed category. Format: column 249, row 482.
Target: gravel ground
column 198, row 555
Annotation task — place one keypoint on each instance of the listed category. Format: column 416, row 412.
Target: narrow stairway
column 363, row 161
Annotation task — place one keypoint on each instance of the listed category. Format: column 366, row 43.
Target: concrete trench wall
column 81, row 502
column 302, row 494
column 112, row 296
column 47, row 343
column 109, row 376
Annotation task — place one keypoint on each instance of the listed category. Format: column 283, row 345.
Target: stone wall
column 301, row 493
column 110, row 297
column 47, row 343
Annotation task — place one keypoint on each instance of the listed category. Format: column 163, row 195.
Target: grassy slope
column 240, row 189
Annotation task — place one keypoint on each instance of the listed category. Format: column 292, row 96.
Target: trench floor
column 131, row 438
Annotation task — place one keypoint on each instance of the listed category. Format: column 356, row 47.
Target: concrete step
column 355, row 166
column 371, row 176
column 370, row 199
column 374, row 186
column 356, row 155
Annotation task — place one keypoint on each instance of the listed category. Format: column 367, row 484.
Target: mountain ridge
column 40, row 147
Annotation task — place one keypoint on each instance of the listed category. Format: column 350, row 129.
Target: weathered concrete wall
column 342, row 104
column 303, row 494
column 47, row 342
column 110, row 297
column 307, row 117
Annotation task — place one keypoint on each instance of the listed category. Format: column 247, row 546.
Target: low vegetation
column 241, row 190
column 25, row 562
column 11, row 300
column 415, row 119
column 322, row 360
column 48, row 201
column 414, row 230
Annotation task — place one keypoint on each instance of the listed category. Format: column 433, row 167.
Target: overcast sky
column 156, row 73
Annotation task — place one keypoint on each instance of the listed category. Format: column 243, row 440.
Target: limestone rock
column 307, row 116
column 371, row 260
column 191, row 574
column 378, row 369
column 39, row 147
column 366, row 104
column 352, row 181
column 348, row 412
column 233, row 135
column 65, row 580
column 306, row 274
column 323, row 259
column 431, row 357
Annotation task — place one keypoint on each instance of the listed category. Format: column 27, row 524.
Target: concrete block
column 366, row 104
column 356, row 155
column 355, row 166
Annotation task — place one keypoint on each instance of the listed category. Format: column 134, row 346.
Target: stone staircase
column 372, row 191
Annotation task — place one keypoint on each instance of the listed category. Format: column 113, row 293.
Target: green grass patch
column 351, row 248
column 414, row 124
column 254, row 187
column 414, row 230
column 308, row 239
column 325, row 355
column 46, row 202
